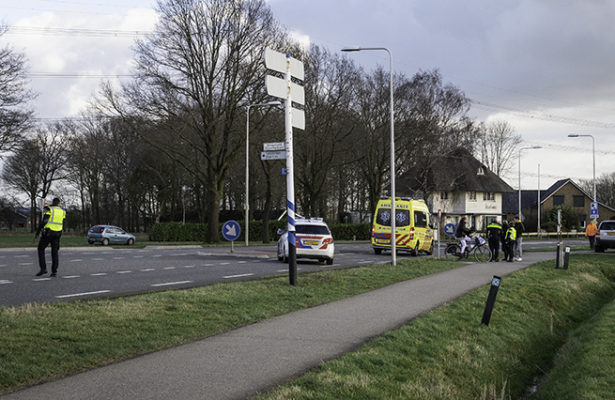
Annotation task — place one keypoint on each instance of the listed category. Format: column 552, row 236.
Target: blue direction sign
column 593, row 209
column 449, row 229
column 231, row 230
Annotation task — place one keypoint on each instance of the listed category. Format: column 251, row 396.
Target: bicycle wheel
column 452, row 251
column 482, row 253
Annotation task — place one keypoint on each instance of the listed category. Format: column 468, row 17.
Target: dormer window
column 481, row 171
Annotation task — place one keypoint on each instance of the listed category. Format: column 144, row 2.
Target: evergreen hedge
column 195, row 232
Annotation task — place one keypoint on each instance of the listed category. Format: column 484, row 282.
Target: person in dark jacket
column 50, row 230
column 494, row 235
column 503, row 240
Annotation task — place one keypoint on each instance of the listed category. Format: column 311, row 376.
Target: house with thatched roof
column 458, row 185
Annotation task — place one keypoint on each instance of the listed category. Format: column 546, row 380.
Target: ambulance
column 412, row 226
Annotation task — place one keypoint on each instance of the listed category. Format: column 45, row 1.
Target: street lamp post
column 393, row 211
column 523, row 148
column 247, row 203
column 594, row 156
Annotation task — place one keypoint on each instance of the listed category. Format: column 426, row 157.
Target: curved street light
column 393, row 211
column 247, row 203
column 594, row 157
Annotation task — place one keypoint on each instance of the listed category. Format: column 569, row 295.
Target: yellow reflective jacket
column 56, row 218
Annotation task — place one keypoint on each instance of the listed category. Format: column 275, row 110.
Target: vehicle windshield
column 313, row 229
column 607, row 226
column 401, row 219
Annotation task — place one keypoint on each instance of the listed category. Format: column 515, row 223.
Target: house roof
column 529, row 198
column 459, row 170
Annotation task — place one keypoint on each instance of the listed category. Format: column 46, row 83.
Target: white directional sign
column 279, row 88
column 277, row 61
column 275, row 146
column 273, row 155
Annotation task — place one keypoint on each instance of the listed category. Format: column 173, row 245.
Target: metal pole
column 594, row 159
column 290, row 182
column 519, row 212
column 394, row 211
column 247, row 205
column 538, row 229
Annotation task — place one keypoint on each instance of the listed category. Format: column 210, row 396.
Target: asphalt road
column 99, row 271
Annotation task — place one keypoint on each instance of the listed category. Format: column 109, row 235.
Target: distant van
column 412, row 226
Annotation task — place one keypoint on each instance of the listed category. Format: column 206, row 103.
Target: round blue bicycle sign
column 231, row 230
column 449, row 229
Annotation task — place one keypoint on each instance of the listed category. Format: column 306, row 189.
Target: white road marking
column 157, row 255
column 99, row 274
column 123, row 272
column 3, row 265
column 21, row 256
column 236, row 276
column 225, row 263
column 138, row 256
column 81, row 294
column 97, row 259
column 364, row 262
column 147, row 269
column 188, row 266
column 26, row 263
column 71, row 276
column 5, row 282
column 170, row 283
column 168, row 268
column 40, row 279
column 119, row 258
column 282, row 270
column 76, row 260
column 208, row 265
column 242, row 262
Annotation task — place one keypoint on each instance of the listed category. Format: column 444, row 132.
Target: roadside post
column 558, row 255
column 291, row 92
column 566, row 257
column 231, row 231
column 438, row 231
column 493, row 292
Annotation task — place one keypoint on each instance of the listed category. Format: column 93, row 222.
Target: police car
column 314, row 241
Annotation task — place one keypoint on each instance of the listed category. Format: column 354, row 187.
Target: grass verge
column 41, row 342
column 585, row 366
column 447, row 354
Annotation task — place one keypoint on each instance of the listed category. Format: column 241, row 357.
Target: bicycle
column 478, row 248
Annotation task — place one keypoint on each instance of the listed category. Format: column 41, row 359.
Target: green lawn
column 40, row 342
column 447, row 354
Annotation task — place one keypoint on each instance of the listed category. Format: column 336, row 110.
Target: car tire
column 329, row 261
column 430, row 251
column 130, row 242
column 599, row 249
column 415, row 251
column 105, row 242
column 378, row 251
column 90, row 241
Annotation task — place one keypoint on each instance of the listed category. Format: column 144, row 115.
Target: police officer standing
column 51, row 227
column 494, row 233
column 510, row 238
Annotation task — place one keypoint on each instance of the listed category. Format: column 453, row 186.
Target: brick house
column 564, row 192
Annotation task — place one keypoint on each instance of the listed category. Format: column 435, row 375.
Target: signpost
column 449, row 229
column 593, row 210
column 493, row 292
column 273, row 155
column 231, row 231
column 291, row 92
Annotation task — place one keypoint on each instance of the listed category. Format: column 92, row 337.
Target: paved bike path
column 242, row 362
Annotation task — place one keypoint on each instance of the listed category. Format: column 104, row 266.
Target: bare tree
column 15, row 119
column 497, row 146
column 202, row 63
column 22, row 172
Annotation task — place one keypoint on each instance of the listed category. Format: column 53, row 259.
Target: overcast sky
column 545, row 66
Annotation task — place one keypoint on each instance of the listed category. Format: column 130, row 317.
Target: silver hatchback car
column 109, row 234
column 606, row 236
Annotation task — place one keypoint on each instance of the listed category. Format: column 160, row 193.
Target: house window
column 558, row 200
column 472, row 196
column 489, row 196
column 481, row 171
column 443, row 195
column 578, row 201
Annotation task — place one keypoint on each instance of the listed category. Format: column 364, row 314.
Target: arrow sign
column 277, row 61
column 231, row 230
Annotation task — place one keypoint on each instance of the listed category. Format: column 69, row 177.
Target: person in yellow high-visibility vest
column 51, row 226
column 590, row 232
